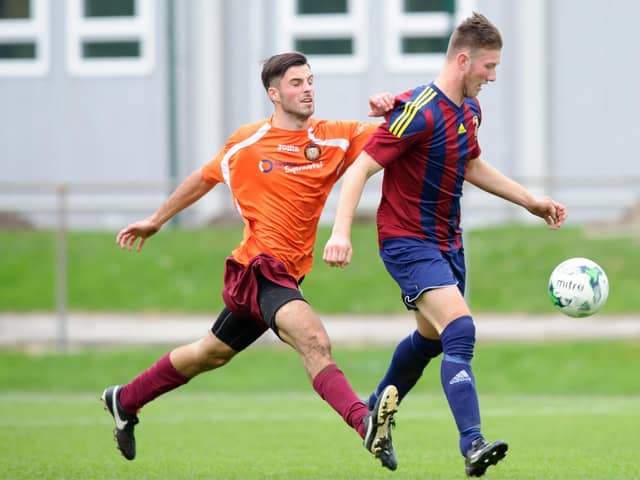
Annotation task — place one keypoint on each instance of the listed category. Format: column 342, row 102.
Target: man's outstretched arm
column 187, row 193
column 491, row 180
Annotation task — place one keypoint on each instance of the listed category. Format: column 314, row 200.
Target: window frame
column 81, row 29
column 398, row 24
column 352, row 24
column 33, row 30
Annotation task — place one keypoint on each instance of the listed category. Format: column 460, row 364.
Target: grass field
column 295, row 436
column 568, row 411
column 181, row 271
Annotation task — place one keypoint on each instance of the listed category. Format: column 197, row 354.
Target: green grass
column 295, row 436
column 181, row 271
column 590, row 368
column 568, row 410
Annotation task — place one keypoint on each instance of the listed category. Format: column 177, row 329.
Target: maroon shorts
column 257, row 290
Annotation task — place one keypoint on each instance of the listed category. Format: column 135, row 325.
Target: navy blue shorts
column 419, row 265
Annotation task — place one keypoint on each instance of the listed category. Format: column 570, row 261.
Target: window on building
column 423, row 6
column 326, row 46
column 112, row 8
column 417, row 32
column 110, row 38
column 14, row 9
column 310, row 7
column 332, row 33
column 24, row 37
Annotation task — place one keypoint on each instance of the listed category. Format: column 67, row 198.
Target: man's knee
column 313, row 341
column 299, row 325
column 459, row 338
column 318, row 343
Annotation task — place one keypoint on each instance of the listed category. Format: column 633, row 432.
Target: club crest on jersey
column 476, row 124
column 312, row 152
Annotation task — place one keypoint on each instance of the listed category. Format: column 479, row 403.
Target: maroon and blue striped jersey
column 425, row 146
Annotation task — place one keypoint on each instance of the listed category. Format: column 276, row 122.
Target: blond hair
column 473, row 33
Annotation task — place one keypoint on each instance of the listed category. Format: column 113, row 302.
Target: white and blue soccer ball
column 578, row 287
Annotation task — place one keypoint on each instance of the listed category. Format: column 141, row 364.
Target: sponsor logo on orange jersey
column 266, row 166
column 288, row 148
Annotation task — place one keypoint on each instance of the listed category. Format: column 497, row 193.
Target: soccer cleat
column 387, row 455
column 123, row 433
column 482, row 455
column 378, row 423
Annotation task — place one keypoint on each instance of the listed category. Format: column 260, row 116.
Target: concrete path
column 35, row 330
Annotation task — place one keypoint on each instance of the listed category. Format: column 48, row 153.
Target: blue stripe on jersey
column 463, row 153
column 433, row 174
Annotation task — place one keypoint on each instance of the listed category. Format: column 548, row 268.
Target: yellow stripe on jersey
column 401, row 123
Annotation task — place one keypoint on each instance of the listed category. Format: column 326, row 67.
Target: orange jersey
column 280, row 180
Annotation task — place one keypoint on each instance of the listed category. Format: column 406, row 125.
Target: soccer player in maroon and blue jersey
column 428, row 147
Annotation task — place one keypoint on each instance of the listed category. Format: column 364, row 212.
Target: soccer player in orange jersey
column 280, row 172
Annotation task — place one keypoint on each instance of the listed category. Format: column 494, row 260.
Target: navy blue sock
column 458, row 382
column 409, row 359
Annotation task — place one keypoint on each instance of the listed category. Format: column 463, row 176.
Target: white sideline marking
column 523, row 407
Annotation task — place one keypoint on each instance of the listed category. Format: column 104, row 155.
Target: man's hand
column 380, row 104
column 337, row 251
column 142, row 230
column 550, row 211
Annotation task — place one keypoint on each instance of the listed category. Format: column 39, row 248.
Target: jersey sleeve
column 385, row 147
column 359, row 135
column 212, row 171
column 404, row 127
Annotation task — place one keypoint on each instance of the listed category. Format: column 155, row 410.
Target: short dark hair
column 475, row 32
column 276, row 66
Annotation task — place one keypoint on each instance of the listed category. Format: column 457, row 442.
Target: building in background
column 112, row 102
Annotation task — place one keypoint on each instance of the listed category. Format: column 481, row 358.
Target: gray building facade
column 117, row 101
